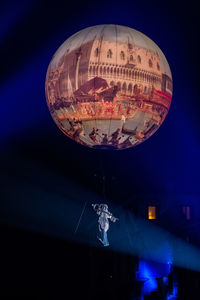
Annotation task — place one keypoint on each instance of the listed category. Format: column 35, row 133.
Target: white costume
column 104, row 216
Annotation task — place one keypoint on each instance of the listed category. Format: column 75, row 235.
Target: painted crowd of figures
column 119, row 138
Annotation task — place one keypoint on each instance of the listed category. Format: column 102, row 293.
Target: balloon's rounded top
column 109, row 87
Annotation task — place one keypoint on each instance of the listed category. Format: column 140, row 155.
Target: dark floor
column 34, row 265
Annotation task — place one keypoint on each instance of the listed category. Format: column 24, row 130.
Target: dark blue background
column 30, row 34
column 35, row 155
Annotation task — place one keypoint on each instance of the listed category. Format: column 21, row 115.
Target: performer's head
column 104, row 207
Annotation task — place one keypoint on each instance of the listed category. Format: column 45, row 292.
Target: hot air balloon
column 109, row 87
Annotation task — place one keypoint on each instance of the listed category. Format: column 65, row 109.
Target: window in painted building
column 139, row 59
column 109, row 54
column 122, row 55
column 150, row 63
column 96, row 52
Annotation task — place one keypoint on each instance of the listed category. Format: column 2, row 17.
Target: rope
column 80, row 216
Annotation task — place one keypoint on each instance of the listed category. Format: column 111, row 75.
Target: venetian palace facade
column 126, row 65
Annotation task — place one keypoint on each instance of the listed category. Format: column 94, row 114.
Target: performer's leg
column 100, row 235
column 105, row 238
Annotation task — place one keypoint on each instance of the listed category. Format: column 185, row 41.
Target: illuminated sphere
column 108, row 87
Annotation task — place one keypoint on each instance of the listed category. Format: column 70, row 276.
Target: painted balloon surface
column 109, row 87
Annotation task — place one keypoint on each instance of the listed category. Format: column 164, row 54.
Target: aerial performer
column 104, row 216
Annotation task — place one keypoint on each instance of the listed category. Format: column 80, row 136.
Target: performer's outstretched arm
column 95, row 206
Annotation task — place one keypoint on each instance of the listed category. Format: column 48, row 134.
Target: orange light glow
column 151, row 212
